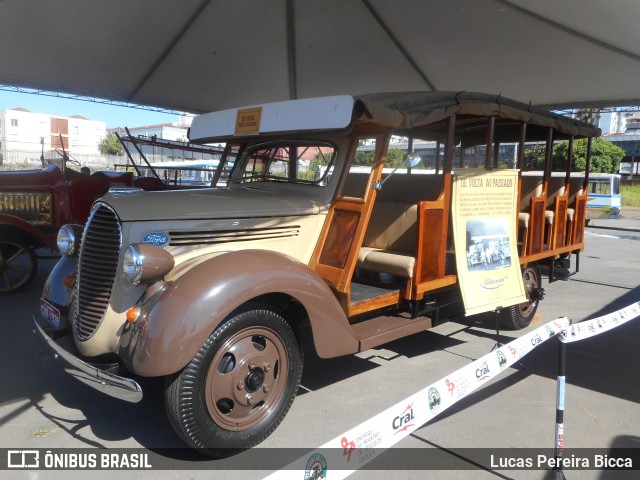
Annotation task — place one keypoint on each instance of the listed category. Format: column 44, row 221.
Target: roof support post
column 488, row 164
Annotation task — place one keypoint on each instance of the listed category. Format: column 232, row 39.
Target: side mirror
column 410, row 160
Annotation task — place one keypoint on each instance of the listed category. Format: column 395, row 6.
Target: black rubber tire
column 208, row 423
column 520, row 316
column 18, row 264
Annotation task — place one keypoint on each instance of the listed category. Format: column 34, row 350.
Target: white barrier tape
column 350, row 451
column 590, row 328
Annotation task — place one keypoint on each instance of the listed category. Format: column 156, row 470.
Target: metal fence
column 11, row 159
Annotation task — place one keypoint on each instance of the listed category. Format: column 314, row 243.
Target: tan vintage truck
column 314, row 240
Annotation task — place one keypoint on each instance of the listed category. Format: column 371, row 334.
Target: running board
column 376, row 331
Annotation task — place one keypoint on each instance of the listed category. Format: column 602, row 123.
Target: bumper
column 108, row 383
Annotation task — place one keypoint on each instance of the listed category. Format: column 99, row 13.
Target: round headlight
column 144, row 263
column 69, row 239
column 132, row 264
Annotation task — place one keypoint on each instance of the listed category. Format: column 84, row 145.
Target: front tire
column 520, row 316
column 240, row 384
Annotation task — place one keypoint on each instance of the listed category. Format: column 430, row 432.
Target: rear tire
column 239, row 386
column 520, row 316
column 18, row 264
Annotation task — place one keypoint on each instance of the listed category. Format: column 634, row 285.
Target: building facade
column 25, row 136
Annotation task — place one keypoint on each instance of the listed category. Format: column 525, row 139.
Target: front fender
column 57, row 294
column 15, row 225
column 180, row 318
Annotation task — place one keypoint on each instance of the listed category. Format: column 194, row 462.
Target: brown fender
column 189, row 310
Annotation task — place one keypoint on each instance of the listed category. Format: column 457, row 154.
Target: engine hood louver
column 200, row 237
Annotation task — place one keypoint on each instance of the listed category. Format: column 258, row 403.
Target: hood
column 237, row 202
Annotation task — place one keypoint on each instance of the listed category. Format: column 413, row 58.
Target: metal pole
column 559, row 444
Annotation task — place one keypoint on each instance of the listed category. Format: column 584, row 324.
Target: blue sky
column 114, row 116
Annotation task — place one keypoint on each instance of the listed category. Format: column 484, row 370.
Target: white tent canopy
column 204, row 55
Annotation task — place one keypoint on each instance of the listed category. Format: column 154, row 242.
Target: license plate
column 50, row 313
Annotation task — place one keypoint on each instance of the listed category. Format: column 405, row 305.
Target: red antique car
column 34, row 204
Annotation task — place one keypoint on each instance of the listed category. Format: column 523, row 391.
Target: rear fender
column 182, row 316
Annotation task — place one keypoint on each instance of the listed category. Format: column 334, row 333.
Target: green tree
column 364, row 158
column 605, row 156
column 534, row 157
column 394, row 157
column 110, row 145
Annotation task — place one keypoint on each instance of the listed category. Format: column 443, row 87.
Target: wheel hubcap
column 254, row 380
column 247, row 378
column 531, row 283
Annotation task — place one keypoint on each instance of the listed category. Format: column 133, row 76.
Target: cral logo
column 536, row 340
column 483, row 372
column 404, row 420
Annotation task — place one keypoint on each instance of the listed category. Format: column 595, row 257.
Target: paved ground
column 42, row 407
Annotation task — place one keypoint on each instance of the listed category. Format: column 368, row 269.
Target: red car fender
column 15, row 223
column 191, row 308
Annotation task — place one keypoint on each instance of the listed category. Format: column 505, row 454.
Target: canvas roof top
column 201, row 55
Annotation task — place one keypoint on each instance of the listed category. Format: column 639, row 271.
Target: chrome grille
column 34, row 207
column 99, row 254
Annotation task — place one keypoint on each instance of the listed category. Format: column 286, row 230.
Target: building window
column 14, row 122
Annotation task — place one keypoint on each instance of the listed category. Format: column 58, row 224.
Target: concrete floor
column 42, row 407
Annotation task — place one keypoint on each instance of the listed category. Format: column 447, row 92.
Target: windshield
column 293, row 162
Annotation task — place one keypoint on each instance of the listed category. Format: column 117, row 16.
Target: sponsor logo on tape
column 590, row 328
column 316, row 468
column 434, row 400
column 483, row 372
column 347, row 447
column 502, row 359
column 404, row 421
column 404, row 416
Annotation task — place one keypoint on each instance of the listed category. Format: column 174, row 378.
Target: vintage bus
column 604, row 196
column 603, row 191
column 218, row 290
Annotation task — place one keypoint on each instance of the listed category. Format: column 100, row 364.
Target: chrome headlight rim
column 132, row 264
column 68, row 240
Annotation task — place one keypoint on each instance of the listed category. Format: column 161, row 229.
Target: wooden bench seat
column 391, row 238
column 390, row 241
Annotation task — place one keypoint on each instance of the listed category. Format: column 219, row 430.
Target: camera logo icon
column 23, row 459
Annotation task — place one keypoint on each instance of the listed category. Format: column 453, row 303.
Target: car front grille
column 99, row 254
column 33, row 207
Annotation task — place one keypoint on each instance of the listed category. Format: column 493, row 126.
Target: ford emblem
column 158, row 239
